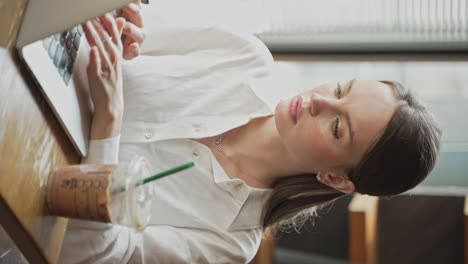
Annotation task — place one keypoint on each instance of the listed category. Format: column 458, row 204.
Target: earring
column 319, row 178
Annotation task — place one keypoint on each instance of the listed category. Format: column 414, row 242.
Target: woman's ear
column 338, row 181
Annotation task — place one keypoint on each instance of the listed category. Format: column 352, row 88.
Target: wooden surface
column 363, row 240
column 32, row 143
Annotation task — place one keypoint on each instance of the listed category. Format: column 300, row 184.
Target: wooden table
column 32, row 143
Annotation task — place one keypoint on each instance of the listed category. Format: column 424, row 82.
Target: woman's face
column 329, row 127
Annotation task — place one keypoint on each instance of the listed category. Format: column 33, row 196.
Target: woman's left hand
column 105, row 75
column 133, row 32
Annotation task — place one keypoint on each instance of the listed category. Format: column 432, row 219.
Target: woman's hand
column 133, row 31
column 105, row 75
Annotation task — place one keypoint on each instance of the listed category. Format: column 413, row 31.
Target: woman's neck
column 258, row 151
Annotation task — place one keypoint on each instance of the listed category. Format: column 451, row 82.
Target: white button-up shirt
column 189, row 83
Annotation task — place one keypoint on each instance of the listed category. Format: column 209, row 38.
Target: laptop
column 52, row 45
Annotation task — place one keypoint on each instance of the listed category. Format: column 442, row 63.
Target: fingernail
column 122, row 19
column 134, row 8
column 108, row 16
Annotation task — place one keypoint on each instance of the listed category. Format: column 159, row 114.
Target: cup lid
column 140, row 196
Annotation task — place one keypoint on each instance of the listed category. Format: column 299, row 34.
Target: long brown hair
column 400, row 159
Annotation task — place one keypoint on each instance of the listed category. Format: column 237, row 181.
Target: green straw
column 156, row 176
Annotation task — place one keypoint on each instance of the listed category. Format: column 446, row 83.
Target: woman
column 200, row 94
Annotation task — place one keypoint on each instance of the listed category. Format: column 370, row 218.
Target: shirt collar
column 251, row 200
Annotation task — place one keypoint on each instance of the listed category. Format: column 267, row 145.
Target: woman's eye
column 338, row 91
column 335, row 126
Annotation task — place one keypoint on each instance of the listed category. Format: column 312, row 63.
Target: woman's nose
column 320, row 103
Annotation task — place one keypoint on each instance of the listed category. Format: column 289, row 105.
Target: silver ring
column 104, row 74
column 107, row 39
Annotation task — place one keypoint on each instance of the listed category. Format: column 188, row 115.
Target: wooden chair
column 363, row 239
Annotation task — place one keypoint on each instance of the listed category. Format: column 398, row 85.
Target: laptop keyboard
column 62, row 49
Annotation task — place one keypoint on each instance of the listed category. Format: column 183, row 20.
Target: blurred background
column 421, row 43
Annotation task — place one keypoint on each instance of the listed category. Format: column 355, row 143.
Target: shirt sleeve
column 103, row 151
column 106, row 243
column 167, row 244
column 174, row 38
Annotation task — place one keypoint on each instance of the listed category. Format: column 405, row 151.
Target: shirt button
column 196, row 152
column 148, row 135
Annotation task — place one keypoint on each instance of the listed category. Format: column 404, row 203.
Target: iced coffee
column 105, row 193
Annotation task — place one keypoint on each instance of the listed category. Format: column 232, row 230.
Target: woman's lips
column 295, row 108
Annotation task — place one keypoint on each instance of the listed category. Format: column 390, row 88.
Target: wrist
column 108, row 113
column 109, row 108
column 105, row 124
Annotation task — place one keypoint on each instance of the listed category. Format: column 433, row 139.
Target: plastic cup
column 130, row 201
column 88, row 191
